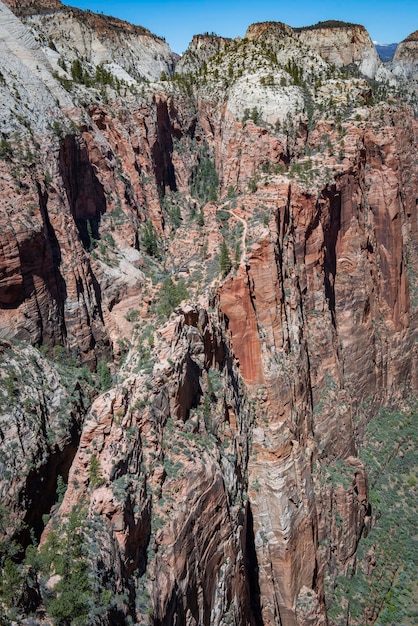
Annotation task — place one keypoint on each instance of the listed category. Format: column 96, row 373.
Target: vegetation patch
column 383, row 589
column 204, row 180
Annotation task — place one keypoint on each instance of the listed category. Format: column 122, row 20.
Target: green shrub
column 150, row 240
column 105, row 377
column 95, row 473
column 103, row 76
column 170, row 296
column 204, row 179
column 225, row 263
column 64, row 553
column 6, row 149
column 132, row 315
column 77, row 73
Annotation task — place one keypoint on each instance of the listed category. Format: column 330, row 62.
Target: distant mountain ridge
column 386, row 51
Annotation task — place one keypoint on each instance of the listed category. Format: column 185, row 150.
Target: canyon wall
column 215, row 478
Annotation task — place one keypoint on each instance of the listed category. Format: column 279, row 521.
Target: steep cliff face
column 317, row 299
column 68, row 33
column 266, row 201
column 201, row 49
column 405, row 58
column 82, row 178
column 339, row 43
column 172, row 450
column 42, row 409
column 404, row 66
column 343, row 44
column 47, row 284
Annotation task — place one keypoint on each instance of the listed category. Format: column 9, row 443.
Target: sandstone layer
column 343, row 45
column 224, row 261
column 405, row 58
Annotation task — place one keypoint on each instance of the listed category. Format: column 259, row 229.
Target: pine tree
column 170, row 296
column 149, row 239
column 225, row 263
column 104, row 375
column 77, row 73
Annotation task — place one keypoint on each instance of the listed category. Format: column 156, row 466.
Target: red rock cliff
column 216, row 478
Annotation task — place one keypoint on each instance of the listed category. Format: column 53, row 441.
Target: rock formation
column 42, row 409
column 216, row 476
column 405, row 58
column 343, row 44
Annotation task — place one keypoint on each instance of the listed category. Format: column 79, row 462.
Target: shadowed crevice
column 252, row 572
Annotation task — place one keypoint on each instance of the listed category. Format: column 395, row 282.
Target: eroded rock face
column 346, row 44
column 102, row 40
column 76, row 192
column 405, row 61
column 298, row 313
column 300, row 318
column 269, row 30
column 99, row 39
column 192, row 549
column 341, row 44
column 48, row 287
column 219, row 473
column 41, row 412
column 201, row 49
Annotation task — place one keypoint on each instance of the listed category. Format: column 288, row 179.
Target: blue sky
column 387, row 21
